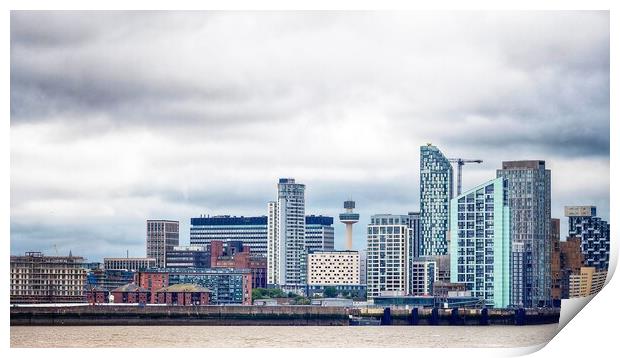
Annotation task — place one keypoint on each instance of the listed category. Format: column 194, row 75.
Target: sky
column 120, row 117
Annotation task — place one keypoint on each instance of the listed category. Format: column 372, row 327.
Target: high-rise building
column 161, row 236
column 423, row 274
column 387, row 262
column 287, row 253
column 36, row 278
column 349, row 218
column 250, row 230
column 556, row 271
column 480, row 243
column 593, row 232
column 414, row 224
column 529, row 198
column 128, row 263
column 435, row 194
column 319, row 233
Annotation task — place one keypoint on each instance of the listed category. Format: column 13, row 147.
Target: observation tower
column 349, row 218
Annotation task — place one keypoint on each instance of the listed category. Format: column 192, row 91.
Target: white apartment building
column 286, row 241
column 388, row 240
column 334, row 268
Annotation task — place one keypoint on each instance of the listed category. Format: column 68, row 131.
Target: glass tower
column 529, row 198
column 480, row 242
column 435, row 195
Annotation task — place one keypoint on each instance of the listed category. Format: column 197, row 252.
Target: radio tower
column 349, row 218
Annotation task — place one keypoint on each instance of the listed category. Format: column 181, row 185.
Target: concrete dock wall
column 458, row 316
column 180, row 315
column 271, row 316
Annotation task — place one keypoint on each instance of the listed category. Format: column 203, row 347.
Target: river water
column 290, row 336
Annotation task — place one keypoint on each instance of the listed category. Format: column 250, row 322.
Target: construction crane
column 460, row 162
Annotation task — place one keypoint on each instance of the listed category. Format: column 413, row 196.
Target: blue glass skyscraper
column 435, row 194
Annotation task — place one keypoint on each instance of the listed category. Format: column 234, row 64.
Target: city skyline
column 161, row 135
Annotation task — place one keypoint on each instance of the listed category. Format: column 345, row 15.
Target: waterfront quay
column 123, row 315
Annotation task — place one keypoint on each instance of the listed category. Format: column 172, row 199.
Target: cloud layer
column 117, row 117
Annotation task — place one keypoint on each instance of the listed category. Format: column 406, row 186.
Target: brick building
column 228, row 285
column 184, row 295
column 556, row 271
column 233, row 254
column 97, row 294
column 131, row 293
column 571, row 260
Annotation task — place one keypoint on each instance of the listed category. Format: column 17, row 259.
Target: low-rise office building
column 128, row 263
column 338, row 270
column 189, row 256
column 108, row 279
column 587, row 282
column 334, row 268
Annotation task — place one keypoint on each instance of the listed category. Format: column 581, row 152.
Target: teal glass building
column 480, row 242
column 435, row 195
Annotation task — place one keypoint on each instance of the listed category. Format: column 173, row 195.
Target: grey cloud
column 176, row 114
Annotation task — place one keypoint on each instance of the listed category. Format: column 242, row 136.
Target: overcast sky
column 117, row 118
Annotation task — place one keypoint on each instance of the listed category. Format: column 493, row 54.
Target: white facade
column 388, row 238
column 128, row 263
column 273, row 247
column 35, row 278
column 334, row 268
column 287, row 254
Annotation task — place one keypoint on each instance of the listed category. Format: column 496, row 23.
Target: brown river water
column 291, row 336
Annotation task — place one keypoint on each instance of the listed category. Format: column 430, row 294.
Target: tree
column 330, row 292
column 301, row 300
